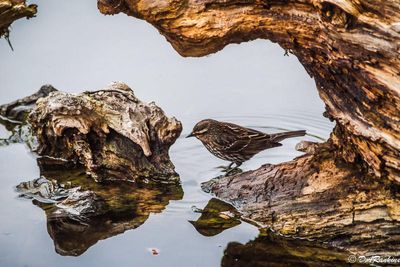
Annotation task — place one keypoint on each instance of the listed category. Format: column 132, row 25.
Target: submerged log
column 348, row 190
column 11, row 10
column 110, row 132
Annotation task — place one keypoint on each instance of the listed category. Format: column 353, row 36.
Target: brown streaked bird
column 235, row 143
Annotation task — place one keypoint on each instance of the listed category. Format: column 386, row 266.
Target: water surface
column 74, row 48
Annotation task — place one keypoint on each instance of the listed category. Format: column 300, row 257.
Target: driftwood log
column 347, row 191
column 11, row 10
column 109, row 132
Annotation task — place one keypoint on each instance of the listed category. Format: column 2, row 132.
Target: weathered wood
column 18, row 110
column 346, row 192
column 11, row 10
column 317, row 197
column 110, row 132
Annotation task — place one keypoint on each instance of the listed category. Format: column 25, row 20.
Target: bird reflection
column 80, row 212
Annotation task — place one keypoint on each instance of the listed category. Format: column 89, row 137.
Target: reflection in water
column 81, row 212
column 216, row 217
column 271, row 250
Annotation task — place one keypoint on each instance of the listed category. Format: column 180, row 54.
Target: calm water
column 73, row 47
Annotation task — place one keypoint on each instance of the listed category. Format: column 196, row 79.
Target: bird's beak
column 190, row 135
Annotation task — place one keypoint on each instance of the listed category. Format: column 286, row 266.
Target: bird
column 236, row 143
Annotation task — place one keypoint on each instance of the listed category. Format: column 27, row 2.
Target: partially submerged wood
column 18, row 110
column 11, row 10
column 110, row 132
column 14, row 118
column 318, row 198
column 351, row 48
column 108, row 135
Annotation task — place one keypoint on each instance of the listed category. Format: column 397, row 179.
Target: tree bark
column 11, row 10
column 346, row 191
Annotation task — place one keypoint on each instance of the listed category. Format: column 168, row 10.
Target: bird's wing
column 243, row 131
column 240, row 138
column 231, row 138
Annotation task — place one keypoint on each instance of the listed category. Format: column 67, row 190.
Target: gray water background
column 73, row 47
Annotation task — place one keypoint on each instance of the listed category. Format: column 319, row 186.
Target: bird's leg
column 233, row 170
column 226, row 168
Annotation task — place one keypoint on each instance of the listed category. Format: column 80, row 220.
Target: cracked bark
column 346, row 192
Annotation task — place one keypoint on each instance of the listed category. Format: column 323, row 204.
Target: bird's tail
column 281, row 136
